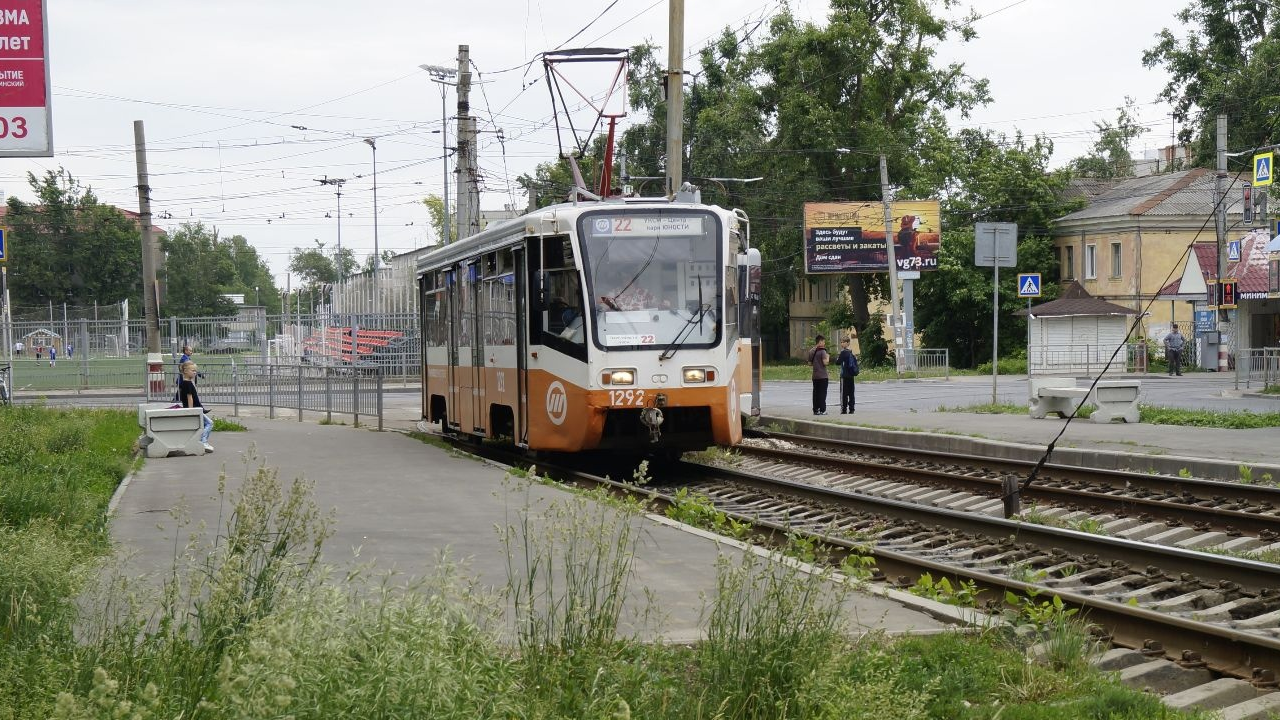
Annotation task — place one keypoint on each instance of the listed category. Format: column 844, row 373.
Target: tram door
column 522, row 347
column 453, row 372
column 479, row 418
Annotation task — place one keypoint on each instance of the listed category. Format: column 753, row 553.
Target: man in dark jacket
column 819, row 358
column 848, row 363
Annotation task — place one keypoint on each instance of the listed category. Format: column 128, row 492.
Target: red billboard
column 26, row 124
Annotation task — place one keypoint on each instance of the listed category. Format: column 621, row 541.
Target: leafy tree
column 1225, row 64
column 253, row 276
column 435, row 209
column 198, row 270
column 384, row 260
column 70, row 248
column 984, row 176
column 1110, row 157
column 317, row 268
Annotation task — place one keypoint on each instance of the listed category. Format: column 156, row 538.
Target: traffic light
column 1228, row 294
column 1248, row 204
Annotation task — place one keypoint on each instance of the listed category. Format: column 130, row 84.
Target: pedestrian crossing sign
column 1028, row 285
column 1262, row 163
column 1233, row 250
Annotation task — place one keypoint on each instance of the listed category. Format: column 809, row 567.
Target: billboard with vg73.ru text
column 849, row 237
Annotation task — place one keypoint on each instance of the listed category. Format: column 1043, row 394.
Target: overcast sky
column 221, row 85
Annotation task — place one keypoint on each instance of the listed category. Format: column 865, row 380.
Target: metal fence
column 926, row 362
column 1087, row 359
column 301, row 387
column 1258, row 366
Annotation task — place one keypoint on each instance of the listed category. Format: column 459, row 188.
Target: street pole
column 337, row 183
column 675, row 97
column 155, row 363
column 373, row 144
column 899, row 344
column 1219, row 197
column 438, row 75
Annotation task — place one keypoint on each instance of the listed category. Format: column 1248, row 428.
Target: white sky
column 219, row 85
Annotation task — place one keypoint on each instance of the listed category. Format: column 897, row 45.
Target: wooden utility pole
column 675, row 98
column 150, row 305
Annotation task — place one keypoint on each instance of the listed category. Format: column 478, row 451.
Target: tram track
column 1199, row 609
column 1214, row 512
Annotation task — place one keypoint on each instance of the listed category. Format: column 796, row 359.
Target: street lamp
column 373, row 144
column 439, row 75
column 257, row 300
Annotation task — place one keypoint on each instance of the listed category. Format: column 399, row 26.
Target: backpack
column 851, row 365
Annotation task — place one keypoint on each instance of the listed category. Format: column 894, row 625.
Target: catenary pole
column 675, row 97
column 899, row 343
column 151, row 310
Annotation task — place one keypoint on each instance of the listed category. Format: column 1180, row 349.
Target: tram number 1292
column 626, row 398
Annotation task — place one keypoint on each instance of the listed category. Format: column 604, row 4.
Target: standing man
column 848, row 363
column 819, row 358
column 1173, row 344
column 53, row 356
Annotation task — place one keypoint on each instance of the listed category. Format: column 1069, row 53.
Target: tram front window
column 653, row 278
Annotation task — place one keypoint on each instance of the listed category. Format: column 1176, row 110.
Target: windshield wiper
column 682, row 336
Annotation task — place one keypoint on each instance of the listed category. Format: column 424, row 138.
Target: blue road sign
column 1028, row 284
column 4, row 248
column 1233, row 250
column 1204, row 321
column 1262, row 167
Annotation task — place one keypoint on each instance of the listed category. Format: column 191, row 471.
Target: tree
column 253, row 276
column 435, row 209
column 984, row 176
column 383, row 260
column 1225, row 64
column 810, row 109
column 317, row 268
column 1110, row 157
column 70, row 248
column 198, row 270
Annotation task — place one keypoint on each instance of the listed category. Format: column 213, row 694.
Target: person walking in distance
column 848, row 364
column 189, row 397
column 1173, row 344
column 819, row 358
column 53, row 356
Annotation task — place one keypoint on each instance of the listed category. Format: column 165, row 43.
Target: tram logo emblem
column 603, row 225
column 557, row 403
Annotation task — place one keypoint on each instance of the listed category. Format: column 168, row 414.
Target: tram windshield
column 654, row 278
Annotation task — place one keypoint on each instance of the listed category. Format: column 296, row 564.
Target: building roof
column 1176, row 194
column 1075, row 301
column 1250, row 272
column 1205, row 255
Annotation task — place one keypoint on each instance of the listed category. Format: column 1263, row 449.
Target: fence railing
column 301, row 387
column 1258, row 367
column 926, row 362
column 1086, row 359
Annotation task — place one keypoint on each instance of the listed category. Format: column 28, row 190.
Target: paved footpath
column 399, row 503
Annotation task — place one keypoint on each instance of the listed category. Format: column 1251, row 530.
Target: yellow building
column 1134, row 239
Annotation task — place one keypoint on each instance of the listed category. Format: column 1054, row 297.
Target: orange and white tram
column 609, row 325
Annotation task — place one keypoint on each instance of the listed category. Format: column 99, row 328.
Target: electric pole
column 675, row 97
column 337, row 183
column 150, row 306
column 899, row 343
column 468, row 164
column 1220, row 216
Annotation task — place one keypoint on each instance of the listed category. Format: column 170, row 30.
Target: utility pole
column 1220, row 216
column 337, row 183
column 155, row 362
column 377, row 260
column 441, row 75
column 675, row 97
column 468, row 164
column 899, row 343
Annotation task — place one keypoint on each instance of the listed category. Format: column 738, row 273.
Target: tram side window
column 466, row 286
column 435, row 329
column 499, row 310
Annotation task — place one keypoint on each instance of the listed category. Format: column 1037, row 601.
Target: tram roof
column 502, row 233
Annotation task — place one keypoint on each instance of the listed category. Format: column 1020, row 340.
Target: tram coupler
column 651, row 417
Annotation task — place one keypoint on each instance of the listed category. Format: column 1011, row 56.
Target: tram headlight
column 695, row 375
column 618, row 377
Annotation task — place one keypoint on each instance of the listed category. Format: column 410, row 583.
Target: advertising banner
column 26, row 124
column 848, row 237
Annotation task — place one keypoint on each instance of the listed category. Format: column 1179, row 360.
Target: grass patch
column 248, row 624
column 1153, row 414
column 223, row 425
column 1271, row 390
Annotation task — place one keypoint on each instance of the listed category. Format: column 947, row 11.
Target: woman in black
column 188, row 396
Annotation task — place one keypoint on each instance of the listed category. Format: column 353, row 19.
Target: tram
column 620, row 325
